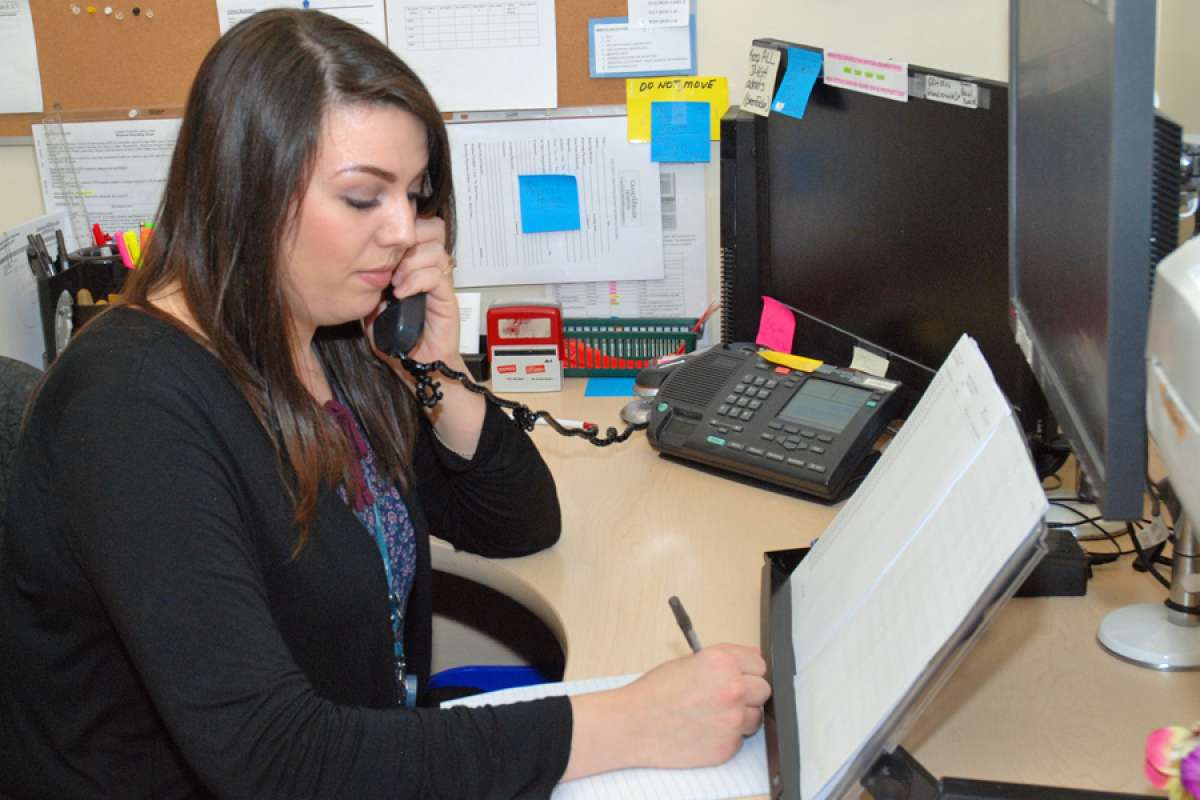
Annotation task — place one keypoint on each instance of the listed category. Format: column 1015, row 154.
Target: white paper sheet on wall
column 744, row 775
column 366, row 14
column 121, row 168
column 20, row 78
column 683, row 291
column 620, row 237
column 479, row 55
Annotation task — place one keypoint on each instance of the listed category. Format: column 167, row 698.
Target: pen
column 61, row 241
column 35, row 263
column 43, row 256
column 685, row 624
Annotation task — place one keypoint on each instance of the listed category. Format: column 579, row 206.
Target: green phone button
column 663, row 406
column 717, row 440
column 871, row 404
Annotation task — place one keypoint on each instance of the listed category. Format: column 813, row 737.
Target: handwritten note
column 639, row 94
column 760, row 82
column 955, row 93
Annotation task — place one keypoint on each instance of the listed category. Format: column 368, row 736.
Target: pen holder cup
column 100, row 271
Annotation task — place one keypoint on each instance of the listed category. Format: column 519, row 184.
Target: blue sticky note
column 549, row 203
column 609, row 387
column 679, row 131
column 803, row 67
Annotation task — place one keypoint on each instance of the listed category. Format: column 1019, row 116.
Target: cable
column 429, row 393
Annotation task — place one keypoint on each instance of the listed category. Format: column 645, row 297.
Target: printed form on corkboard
column 92, row 61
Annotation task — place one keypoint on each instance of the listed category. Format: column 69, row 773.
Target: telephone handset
column 399, row 326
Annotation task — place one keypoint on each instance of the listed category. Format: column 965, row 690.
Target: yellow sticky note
column 798, row 363
column 641, row 92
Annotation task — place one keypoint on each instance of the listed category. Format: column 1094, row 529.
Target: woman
column 216, row 577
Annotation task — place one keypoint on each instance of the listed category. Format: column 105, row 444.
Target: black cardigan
column 157, row 638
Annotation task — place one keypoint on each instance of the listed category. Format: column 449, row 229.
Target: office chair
column 17, row 380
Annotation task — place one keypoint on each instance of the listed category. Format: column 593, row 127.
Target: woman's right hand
column 688, row 712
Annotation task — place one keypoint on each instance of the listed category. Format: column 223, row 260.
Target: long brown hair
column 245, row 153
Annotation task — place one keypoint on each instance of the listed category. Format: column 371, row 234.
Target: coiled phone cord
column 429, row 392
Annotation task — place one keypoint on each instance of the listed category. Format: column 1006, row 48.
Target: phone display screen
column 829, row 406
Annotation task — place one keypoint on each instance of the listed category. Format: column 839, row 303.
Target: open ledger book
column 898, row 586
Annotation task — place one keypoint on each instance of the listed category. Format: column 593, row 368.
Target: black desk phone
column 731, row 409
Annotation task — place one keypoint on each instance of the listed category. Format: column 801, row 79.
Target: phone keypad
column 781, row 442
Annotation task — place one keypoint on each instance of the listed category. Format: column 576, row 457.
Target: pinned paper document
column 617, row 49
column 21, row 89
column 639, row 94
column 659, row 13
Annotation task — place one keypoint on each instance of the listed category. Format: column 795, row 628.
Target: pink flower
column 1161, row 760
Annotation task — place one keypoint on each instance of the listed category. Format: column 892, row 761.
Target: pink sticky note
column 776, row 326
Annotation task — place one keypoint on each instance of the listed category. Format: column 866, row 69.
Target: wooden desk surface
column 1036, row 701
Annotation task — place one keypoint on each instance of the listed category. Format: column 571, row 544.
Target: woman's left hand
column 428, row 268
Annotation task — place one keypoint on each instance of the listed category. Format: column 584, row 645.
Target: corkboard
column 93, row 62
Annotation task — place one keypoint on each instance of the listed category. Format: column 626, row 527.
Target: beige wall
column 967, row 36
column 20, row 189
column 1178, row 74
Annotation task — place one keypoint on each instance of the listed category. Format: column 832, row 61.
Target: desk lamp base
column 1142, row 634
column 1165, row 637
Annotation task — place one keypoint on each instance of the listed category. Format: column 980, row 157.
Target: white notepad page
column 897, row 572
column 743, row 775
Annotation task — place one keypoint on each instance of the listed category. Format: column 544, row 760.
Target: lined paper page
column 905, row 563
column 743, row 775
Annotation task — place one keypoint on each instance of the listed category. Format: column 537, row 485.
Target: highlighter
column 123, row 249
column 131, row 244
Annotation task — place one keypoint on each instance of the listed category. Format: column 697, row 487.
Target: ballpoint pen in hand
column 685, row 623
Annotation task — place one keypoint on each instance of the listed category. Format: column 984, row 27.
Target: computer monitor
column 882, row 224
column 1082, row 245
